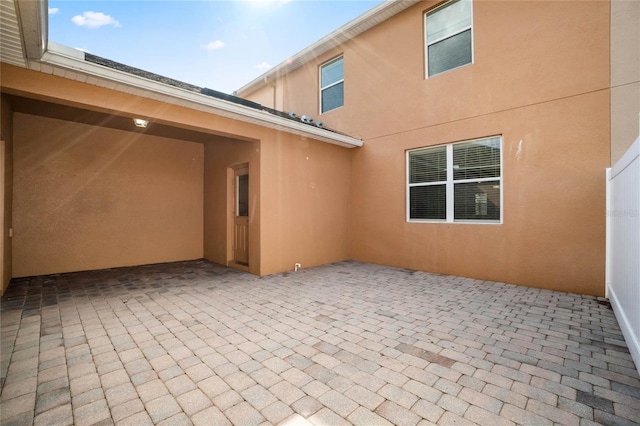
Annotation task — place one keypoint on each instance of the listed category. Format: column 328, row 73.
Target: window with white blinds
column 449, row 39
column 460, row 182
column 332, row 85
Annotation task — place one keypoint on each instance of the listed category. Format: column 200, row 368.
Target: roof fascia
column 357, row 26
column 61, row 58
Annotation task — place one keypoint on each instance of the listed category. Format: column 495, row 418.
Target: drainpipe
column 34, row 15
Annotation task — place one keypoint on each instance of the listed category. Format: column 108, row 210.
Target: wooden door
column 241, row 217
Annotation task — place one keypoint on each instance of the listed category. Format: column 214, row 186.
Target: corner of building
column 6, row 190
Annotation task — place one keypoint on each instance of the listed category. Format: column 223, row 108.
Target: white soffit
column 359, row 25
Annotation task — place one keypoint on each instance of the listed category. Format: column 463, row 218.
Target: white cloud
column 53, row 10
column 263, row 66
column 94, row 20
column 214, row 45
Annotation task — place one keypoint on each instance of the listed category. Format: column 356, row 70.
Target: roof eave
column 62, row 60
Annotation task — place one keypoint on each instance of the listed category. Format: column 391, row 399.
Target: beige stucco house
column 464, row 138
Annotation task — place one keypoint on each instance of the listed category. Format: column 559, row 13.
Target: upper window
column 459, row 182
column 332, row 85
column 448, row 37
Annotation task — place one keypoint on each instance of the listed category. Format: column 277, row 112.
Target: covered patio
column 348, row 343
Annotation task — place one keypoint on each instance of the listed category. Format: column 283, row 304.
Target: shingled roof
column 94, row 59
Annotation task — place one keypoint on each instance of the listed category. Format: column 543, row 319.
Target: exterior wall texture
column 298, row 201
column 90, row 197
column 553, row 233
column 6, row 136
column 305, row 201
column 625, row 76
column 539, row 78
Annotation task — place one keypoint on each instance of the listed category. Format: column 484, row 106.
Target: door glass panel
column 243, row 196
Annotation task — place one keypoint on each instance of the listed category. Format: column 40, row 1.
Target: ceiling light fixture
column 139, row 122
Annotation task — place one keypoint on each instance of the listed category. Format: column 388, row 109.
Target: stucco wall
column 266, row 96
column 90, row 197
column 6, row 136
column 553, row 234
column 525, row 52
column 281, row 187
column 305, row 195
column 541, row 76
column 625, row 76
column 299, row 201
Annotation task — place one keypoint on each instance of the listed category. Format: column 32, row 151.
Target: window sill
column 458, row 222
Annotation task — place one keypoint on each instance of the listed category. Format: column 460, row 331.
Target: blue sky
column 217, row 44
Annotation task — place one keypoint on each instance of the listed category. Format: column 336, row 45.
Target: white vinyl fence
column 623, row 245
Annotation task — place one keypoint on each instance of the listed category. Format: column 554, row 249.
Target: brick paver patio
column 349, row 343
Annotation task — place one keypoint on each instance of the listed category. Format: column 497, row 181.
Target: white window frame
column 429, row 43
column 323, row 88
column 449, row 185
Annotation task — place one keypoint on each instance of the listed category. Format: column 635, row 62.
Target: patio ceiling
column 109, row 120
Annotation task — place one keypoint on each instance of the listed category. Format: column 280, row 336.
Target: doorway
column 241, row 216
